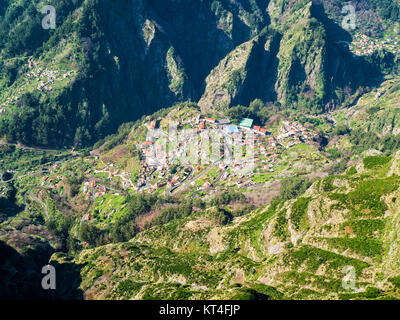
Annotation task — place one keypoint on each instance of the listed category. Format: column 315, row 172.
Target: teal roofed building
column 246, row 123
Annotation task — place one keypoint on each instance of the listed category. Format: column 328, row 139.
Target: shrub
column 292, row 187
column 174, row 212
column 227, row 198
column 375, row 161
column 299, row 208
column 91, row 234
column 395, row 281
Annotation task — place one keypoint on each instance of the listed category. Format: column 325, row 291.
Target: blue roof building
column 232, row 129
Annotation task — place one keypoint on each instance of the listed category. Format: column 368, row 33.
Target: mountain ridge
column 140, row 187
column 136, row 73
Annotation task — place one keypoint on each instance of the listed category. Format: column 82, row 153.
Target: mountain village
column 363, row 45
column 168, row 162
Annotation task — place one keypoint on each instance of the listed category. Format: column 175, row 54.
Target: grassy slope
column 298, row 247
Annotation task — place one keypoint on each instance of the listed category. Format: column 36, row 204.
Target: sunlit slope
column 295, row 249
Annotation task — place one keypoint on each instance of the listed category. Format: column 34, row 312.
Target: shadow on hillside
column 21, row 276
column 262, row 70
column 334, row 31
column 68, row 281
column 8, row 209
column 348, row 70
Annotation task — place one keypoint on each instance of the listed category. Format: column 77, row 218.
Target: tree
column 91, row 234
column 293, row 187
column 256, row 105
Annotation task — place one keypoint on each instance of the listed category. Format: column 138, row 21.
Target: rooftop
column 246, row 122
column 232, row 129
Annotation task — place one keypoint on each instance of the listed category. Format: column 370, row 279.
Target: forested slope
column 109, row 62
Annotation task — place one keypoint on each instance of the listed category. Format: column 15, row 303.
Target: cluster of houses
column 92, row 189
column 50, row 78
column 52, row 182
column 292, row 133
column 225, row 124
column 146, row 171
column 158, row 159
column 179, row 177
column 244, row 184
column 46, row 79
column 46, row 85
column 164, row 176
column 364, row 45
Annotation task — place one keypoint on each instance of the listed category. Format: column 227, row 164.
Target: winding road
column 183, row 185
column 18, row 145
column 36, row 199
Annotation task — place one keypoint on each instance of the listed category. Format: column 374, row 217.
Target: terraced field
column 297, row 249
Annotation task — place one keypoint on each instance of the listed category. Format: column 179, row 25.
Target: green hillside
column 290, row 249
column 315, row 211
column 207, row 149
column 108, row 62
